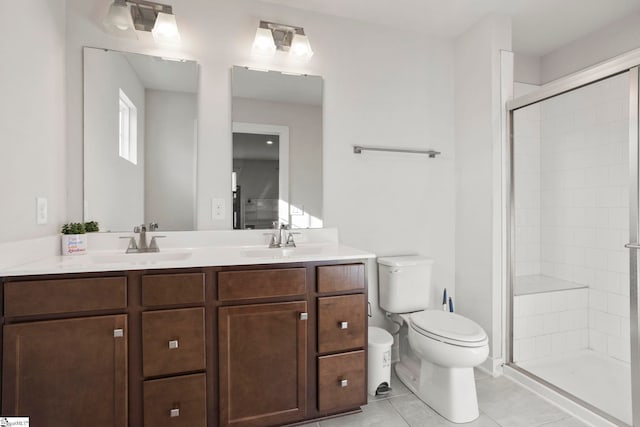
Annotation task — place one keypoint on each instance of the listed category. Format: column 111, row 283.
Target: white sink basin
column 280, row 252
column 139, row 258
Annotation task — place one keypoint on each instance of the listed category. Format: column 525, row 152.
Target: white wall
column 114, row 186
column 527, row 69
column 305, row 145
column 478, row 138
column 170, row 144
column 32, row 117
column 614, row 39
column 394, row 89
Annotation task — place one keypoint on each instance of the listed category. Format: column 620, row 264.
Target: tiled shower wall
column 527, row 178
column 583, row 204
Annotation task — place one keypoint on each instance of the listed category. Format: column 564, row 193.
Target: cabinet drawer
column 166, row 289
column 64, row 296
column 172, row 341
column 242, row 285
column 176, row 402
column 341, row 323
column 335, row 278
column 341, row 381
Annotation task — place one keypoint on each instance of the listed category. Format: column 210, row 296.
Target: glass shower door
column 571, row 300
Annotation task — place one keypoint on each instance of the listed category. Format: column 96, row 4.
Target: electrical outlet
column 42, row 210
column 217, row 209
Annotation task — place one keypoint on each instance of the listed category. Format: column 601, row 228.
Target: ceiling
column 276, row 86
column 539, row 26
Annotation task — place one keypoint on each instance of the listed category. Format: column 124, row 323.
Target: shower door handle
column 632, row 246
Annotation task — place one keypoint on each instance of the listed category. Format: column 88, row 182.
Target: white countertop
column 222, row 251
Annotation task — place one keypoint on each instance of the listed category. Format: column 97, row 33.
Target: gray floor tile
column 417, row 414
column 567, row 422
column 480, row 374
column 378, row 414
column 513, row 406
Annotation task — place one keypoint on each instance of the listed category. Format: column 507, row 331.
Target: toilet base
column 451, row 392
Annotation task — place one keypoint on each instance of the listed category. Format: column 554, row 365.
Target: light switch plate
column 217, row 209
column 42, row 210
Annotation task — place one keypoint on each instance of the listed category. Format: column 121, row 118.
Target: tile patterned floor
column 502, row 403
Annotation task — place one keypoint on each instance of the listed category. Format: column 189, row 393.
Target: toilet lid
column 449, row 327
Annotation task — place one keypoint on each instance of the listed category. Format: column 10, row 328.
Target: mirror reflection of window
column 128, row 139
column 256, row 167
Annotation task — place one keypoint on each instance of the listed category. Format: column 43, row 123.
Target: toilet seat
column 449, row 328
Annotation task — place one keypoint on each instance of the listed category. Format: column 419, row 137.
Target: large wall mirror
column 140, row 140
column 277, row 149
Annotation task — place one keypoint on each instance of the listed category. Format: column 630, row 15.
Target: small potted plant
column 91, row 227
column 74, row 241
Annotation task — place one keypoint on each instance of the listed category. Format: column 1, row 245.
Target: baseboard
column 492, row 366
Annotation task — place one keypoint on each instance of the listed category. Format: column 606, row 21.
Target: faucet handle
column 153, row 246
column 153, row 226
column 133, row 247
column 290, row 242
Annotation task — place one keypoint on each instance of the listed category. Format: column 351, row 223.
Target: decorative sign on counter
column 73, row 244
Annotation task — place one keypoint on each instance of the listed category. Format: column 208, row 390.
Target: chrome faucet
column 281, row 237
column 142, row 246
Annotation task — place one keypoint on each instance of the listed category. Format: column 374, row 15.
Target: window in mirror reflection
column 256, row 167
column 128, row 141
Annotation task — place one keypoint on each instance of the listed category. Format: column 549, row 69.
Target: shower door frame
column 626, row 63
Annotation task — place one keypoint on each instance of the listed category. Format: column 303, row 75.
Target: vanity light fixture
column 271, row 37
column 125, row 16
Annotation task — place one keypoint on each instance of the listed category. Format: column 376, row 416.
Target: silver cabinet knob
column 344, row 325
column 175, row 412
column 304, row 316
column 344, row 383
column 173, row 344
column 118, row 333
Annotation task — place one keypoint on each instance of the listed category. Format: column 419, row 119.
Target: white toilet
column 438, row 349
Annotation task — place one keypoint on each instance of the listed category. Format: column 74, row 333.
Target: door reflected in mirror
column 281, row 181
column 256, row 170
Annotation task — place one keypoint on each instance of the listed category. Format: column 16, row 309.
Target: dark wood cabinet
column 263, row 364
column 240, row 346
column 176, row 402
column 64, row 373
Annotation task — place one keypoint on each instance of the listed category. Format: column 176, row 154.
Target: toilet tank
column 404, row 283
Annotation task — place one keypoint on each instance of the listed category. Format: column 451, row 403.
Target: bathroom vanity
column 252, row 344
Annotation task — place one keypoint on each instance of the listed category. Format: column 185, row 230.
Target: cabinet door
column 263, row 364
column 64, row 373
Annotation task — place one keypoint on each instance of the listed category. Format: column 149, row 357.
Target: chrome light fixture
column 125, row 16
column 286, row 38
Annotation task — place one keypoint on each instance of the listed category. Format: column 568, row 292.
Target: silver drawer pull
column 344, row 325
column 304, row 316
column 118, row 333
column 344, row 383
column 173, row 344
column 175, row 412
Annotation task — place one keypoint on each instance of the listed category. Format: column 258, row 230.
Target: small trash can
column 380, row 342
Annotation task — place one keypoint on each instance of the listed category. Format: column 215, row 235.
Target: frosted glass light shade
column 119, row 21
column 300, row 47
column 263, row 43
column 165, row 29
